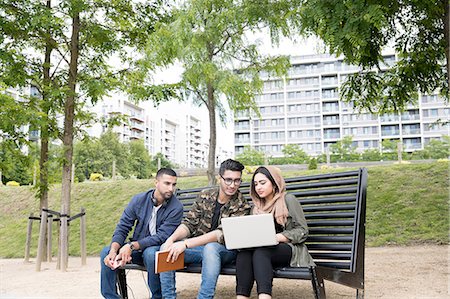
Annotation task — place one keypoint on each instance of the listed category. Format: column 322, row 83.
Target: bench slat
column 332, row 256
column 329, row 207
column 329, row 215
column 330, row 230
column 327, row 223
column 336, row 265
column 330, row 239
column 328, row 199
column 328, row 191
column 329, row 247
column 321, row 184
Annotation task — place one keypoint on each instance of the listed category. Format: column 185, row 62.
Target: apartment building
column 176, row 133
column 304, row 109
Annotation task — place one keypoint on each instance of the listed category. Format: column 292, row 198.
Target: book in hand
column 162, row 265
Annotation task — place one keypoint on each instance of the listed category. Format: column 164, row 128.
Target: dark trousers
column 257, row 264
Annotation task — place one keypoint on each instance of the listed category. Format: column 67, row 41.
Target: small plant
column 13, row 184
column 312, row 164
column 96, row 177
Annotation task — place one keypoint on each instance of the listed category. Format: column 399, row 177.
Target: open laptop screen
column 249, row 231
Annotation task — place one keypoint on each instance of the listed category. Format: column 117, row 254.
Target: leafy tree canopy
column 417, row 30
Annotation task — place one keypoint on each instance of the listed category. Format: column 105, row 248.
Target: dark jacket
column 139, row 211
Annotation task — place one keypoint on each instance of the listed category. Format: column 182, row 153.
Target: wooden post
column 41, row 243
column 328, row 156
column 159, row 163
column 58, row 255
column 28, row 241
column 34, row 175
column 49, row 237
column 83, row 237
column 64, row 236
column 399, row 151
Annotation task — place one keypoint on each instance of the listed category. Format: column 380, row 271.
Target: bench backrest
column 334, row 205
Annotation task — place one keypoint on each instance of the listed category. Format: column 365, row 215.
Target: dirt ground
column 391, row 272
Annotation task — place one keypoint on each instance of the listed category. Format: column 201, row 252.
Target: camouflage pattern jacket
column 198, row 221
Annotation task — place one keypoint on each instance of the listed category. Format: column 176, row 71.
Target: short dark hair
column 167, row 171
column 232, row 165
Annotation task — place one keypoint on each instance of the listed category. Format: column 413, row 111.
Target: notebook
column 249, row 231
column 161, row 264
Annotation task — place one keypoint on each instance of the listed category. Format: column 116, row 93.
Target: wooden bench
column 335, row 209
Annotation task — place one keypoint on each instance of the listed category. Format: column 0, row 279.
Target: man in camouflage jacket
column 200, row 234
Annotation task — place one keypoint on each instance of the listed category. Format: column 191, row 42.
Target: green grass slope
column 406, row 204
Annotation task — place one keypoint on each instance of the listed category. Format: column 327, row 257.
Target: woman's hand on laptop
column 281, row 238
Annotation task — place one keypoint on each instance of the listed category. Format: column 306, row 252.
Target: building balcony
column 331, row 135
column 137, row 117
column 242, row 141
column 390, row 132
column 412, row 146
column 414, row 117
column 137, row 127
column 242, row 128
column 411, row 132
column 334, row 122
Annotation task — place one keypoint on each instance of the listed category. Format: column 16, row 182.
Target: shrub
column 13, row 184
column 96, row 177
column 312, row 164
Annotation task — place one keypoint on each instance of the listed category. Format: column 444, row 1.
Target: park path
column 391, row 272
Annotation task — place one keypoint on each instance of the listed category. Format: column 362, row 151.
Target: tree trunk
column 45, row 108
column 212, row 135
column 69, row 111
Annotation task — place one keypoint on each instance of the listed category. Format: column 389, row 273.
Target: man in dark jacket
column 155, row 214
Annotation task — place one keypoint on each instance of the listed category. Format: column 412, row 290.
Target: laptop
column 249, row 231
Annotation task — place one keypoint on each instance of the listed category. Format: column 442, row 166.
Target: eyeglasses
column 229, row 181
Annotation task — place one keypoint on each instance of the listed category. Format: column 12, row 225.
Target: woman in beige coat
column 268, row 194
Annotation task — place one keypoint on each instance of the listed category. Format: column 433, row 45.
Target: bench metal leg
column 317, row 284
column 359, row 293
column 122, row 283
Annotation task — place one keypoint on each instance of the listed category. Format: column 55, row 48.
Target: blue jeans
column 108, row 278
column 212, row 256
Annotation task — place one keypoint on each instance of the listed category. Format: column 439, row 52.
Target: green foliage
column 360, row 30
column 250, row 156
column 15, row 165
column 372, row 154
column 438, row 149
column 312, row 164
column 93, row 155
column 343, row 150
column 294, row 154
column 139, row 160
column 163, row 160
column 390, row 147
